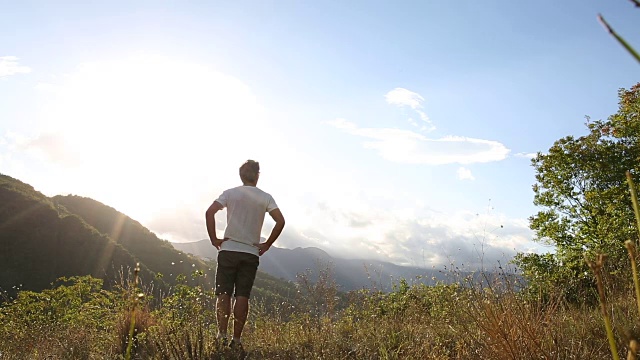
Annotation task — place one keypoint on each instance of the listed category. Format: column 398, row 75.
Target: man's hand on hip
column 262, row 248
column 217, row 242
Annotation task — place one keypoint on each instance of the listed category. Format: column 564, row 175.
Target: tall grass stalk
column 631, row 247
column 132, row 324
column 622, row 41
column 634, row 200
column 596, row 267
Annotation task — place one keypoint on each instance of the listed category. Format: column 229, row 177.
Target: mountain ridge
column 349, row 274
column 43, row 239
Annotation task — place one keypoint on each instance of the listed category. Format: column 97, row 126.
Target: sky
column 400, row 131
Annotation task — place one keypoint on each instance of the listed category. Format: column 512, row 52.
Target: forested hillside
column 42, row 239
column 151, row 251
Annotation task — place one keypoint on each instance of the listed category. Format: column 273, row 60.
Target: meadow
column 492, row 319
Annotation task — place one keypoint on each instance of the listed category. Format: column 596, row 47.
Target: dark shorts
column 236, row 269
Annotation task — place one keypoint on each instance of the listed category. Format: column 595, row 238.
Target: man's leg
column 244, row 282
column 223, row 310
column 240, row 312
column 225, row 277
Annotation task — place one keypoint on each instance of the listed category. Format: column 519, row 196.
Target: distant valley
column 349, row 274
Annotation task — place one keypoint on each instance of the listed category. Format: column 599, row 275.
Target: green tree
column 584, row 199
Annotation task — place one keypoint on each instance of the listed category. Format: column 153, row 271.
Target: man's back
column 246, row 209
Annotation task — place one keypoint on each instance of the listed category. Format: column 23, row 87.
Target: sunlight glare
column 138, row 131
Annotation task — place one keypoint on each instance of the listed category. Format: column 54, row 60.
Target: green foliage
column 317, row 298
column 78, row 320
column 153, row 253
column 434, row 300
column 586, row 208
column 185, row 326
column 41, row 241
column 272, row 292
column 76, row 315
column 547, row 277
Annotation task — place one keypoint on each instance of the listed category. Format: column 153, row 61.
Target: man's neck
column 250, row 184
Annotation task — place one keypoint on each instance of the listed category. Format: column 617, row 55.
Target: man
column 240, row 248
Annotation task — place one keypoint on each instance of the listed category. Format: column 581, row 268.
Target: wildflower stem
column 634, row 200
column 631, row 247
column 132, row 324
column 596, row 267
column 622, row 42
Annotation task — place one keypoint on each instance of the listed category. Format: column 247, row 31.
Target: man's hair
column 249, row 171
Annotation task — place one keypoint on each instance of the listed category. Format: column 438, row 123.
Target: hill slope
column 159, row 254
column 42, row 239
column 151, row 251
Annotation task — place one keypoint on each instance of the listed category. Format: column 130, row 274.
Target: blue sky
column 393, row 130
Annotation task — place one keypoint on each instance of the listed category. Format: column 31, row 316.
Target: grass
column 488, row 320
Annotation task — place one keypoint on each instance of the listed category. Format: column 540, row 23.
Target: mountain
column 151, row 251
column 42, row 239
column 349, row 274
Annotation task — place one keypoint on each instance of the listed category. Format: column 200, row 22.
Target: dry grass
column 481, row 321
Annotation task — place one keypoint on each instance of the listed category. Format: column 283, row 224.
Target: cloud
column 9, row 66
column 404, row 146
column 52, row 148
column 465, row 174
column 413, row 236
column 45, row 87
column 526, row 155
column 142, row 134
column 403, row 97
column 352, row 226
column 409, row 147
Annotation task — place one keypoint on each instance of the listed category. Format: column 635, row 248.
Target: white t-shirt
column 246, row 208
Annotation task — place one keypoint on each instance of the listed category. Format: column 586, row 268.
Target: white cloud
column 403, row 97
column 405, row 146
column 46, row 87
column 410, row 235
column 343, row 124
column 465, row 174
column 526, row 155
column 9, row 66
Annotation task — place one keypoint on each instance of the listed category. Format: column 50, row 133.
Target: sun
column 140, row 132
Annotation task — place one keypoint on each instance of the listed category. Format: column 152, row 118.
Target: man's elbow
column 280, row 223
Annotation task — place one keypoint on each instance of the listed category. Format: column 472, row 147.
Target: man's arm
column 211, row 224
column 275, row 232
